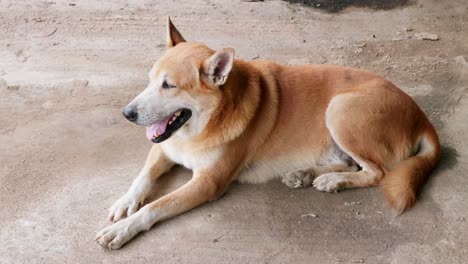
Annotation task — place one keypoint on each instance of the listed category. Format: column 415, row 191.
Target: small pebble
column 360, row 45
column 426, row 36
column 352, row 203
column 308, row 215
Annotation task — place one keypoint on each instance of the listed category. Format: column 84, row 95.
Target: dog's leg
column 156, row 165
column 203, row 187
column 361, row 137
column 334, row 181
column 304, row 177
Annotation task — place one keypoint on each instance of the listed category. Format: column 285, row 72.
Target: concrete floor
column 68, row 67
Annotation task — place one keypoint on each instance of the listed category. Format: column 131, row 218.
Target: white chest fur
column 189, row 158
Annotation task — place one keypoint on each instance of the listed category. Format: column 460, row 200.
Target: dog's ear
column 218, row 66
column 173, row 35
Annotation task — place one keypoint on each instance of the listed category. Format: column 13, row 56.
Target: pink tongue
column 159, row 127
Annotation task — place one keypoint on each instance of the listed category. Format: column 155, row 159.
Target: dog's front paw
column 125, row 207
column 117, row 234
column 330, row 182
column 299, row 178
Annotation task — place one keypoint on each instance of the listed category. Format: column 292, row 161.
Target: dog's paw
column 124, row 207
column 117, row 234
column 330, row 182
column 299, row 178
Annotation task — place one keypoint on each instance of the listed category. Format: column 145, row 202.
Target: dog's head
column 183, row 90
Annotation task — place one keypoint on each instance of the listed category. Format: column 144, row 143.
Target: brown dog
column 227, row 119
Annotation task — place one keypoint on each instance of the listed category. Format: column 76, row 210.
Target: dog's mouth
column 160, row 131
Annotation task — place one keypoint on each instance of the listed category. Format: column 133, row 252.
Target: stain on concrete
column 335, row 6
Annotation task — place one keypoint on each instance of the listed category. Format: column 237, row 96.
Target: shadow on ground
column 448, row 158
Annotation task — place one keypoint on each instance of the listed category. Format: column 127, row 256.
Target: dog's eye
column 165, row 85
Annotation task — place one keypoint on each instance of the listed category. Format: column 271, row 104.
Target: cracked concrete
column 68, row 67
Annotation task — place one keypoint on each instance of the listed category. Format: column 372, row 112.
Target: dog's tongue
column 159, row 127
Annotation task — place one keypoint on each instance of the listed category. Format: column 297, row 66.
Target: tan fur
column 401, row 184
column 309, row 124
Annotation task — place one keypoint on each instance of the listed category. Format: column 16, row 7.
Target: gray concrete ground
column 68, row 67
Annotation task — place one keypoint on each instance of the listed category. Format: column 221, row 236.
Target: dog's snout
column 130, row 113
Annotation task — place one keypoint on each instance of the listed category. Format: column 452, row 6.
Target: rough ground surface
column 67, row 68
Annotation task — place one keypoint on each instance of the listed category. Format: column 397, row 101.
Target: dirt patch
column 335, row 6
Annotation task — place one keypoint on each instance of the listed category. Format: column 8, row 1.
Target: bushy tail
column 401, row 185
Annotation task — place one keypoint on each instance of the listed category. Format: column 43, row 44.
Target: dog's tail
column 402, row 183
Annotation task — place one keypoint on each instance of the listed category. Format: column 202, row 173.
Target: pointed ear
column 218, row 66
column 173, row 35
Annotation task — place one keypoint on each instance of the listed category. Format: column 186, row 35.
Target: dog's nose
column 130, row 113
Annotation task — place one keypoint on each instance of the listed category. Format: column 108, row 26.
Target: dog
column 226, row 119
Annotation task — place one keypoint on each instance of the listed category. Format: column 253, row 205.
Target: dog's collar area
column 177, row 120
